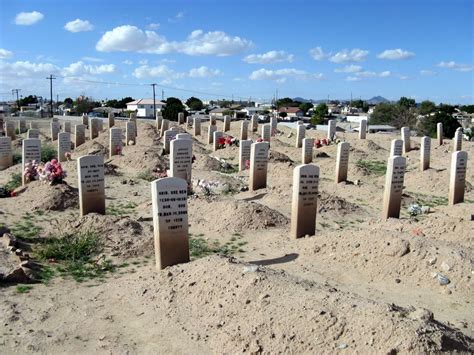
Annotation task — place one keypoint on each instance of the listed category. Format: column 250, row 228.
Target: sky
column 239, row 49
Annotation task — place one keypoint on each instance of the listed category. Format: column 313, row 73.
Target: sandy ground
column 360, row 284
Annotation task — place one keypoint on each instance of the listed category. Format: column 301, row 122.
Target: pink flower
column 247, row 164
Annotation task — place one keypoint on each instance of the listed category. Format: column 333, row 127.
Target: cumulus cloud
column 153, row 26
column 79, row 68
column 5, row 54
column 28, row 18
column 269, row 57
column 345, row 55
column 282, row 75
column 26, row 69
column 349, row 69
column 353, row 78
column 78, row 25
column 395, row 54
column 92, row 59
column 318, row 54
column 203, row 72
column 456, row 66
column 358, row 76
column 132, row 39
column 385, row 74
column 427, row 72
column 128, row 62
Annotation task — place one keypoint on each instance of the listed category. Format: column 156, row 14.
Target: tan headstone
column 85, row 120
column 439, row 133
column 33, row 133
column 6, row 153
column 110, row 120
column 55, row 128
column 457, row 140
column 394, row 178
column 215, row 139
column 342, row 161
column 170, row 221
column 363, row 129
column 254, row 123
column 91, row 184
column 197, row 126
column 64, row 145
column 304, row 201
column 181, row 158
column 457, row 177
column 212, row 120
column 258, row 165
column 115, row 141
column 307, row 150
column 210, row 133
column 244, row 130
column 167, row 138
column 180, row 117
column 244, row 153
column 300, row 133
column 331, row 130
column 10, row 129
column 165, row 125
column 130, row 135
column 226, row 125
column 133, row 118
column 266, row 132
column 405, row 132
column 396, row 148
column 67, row 126
column 34, row 125
column 31, row 151
column 159, row 120
column 425, row 153
column 21, row 125
column 93, row 128
column 79, row 135
column 273, row 125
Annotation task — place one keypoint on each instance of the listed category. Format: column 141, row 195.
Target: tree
column 428, row 124
column 194, row 104
column 84, row 106
column 286, row 102
column 30, row 99
column 172, row 108
column 319, row 113
column 468, row 108
column 406, row 102
column 427, row 107
column 393, row 114
column 68, row 102
column 282, row 114
column 448, row 109
column 305, row 106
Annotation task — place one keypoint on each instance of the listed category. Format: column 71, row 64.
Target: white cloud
column 28, row 18
column 404, row 77
column 349, row 69
column 269, row 57
column 203, row 72
column 79, row 68
column 395, row 54
column 153, row 26
column 345, row 55
column 426, row 72
column 5, row 54
column 366, row 74
column 353, row 78
column 281, row 75
column 128, row 62
column 385, row 74
column 179, row 16
column 456, row 66
column 26, row 69
column 132, row 39
column 78, row 26
column 318, row 54
column 92, row 59
column 358, row 76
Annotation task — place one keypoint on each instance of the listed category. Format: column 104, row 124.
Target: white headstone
column 110, row 120
column 67, row 126
column 184, row 136
column 342, row 161
column 439, row 132
column 300, row 133
column 64, row 145
column 226, row 123
column 457, row 179
column 394, row 178
column 31, row 151
column 215, row 140
column 93, row 128
column 79, row 135
column 425, row 153
column 85, row 120
column 10, row 129
column 55, row 128
column 457, row 140
column 130, row 135
column 33, row 133
column 258, row 165
column 331, row 129
column 197, row 126
column 396, row 148
column 244, row 129
column 273, row 125
column 115, row 141
column 254, row 123
column 363, row 129
column 181, row 156
column 6, row 154
column 180, row 117
column 165, row 125
column 244, row 153
column 91, row 184
column 168, row 137
column 307, row 150
column 266, row 132
column 210, row 133
column 33, row 125
column 405, row 131
column 159, row 120
column 21, row 125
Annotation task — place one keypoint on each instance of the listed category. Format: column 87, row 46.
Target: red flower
column 221, row 141
column 13, row 194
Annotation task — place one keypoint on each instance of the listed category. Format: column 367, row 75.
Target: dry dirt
column 360, row 285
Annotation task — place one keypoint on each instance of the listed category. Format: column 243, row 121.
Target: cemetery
column 193, row 236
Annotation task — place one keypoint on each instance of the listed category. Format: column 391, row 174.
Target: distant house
column 218, row 112
column 144, row 107
column 292, row 111
column 356, row 118
column 250, row 111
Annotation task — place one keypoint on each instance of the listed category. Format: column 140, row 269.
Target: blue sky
column 422, row 49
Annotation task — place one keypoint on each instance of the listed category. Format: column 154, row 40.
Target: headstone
column 189, row 121
column 21, row 125
column 67, row 126
column 100, row 124
column 133, row 118
column 2, row 122
column 165, row 125
column 10, row 129
column 159, row 120
column 170, row 221
column 307, row 150
column 85, row 120
column 91, row 184
column 184, row 136
column 300, row 133
column 439, row 132
column 33, row 133
column 210, row 133
column 93, row 128
column 396, row 148
column 457, row 140
column 64, row 145
column 115, row 141
column 425, row 153
column 304, row 201
column 244, row 153
column 226, row 123
column 55, row 128
column 168, row 137
column 180, row 117
column 212, row 120
column 110, row 120
column 254, row 123
column 181, row 159
column 258, row 165
column 266, row 132
column 342, row 161
column 405, row 131
column 197, row 126
column 54, row 119
column 299, row 122
column 79, row 135
column 31, row 151
column 363, row 129
column 244, row 129
column 331, row 129
column 130, row 135
column 215, row 140
column 457, row 177
column 6, row 155
column 273, row 125
column 33, row 125
column 394, row 177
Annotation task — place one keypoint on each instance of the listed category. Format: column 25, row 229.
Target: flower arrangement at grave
column 8, row 190
column 52, row 172
column 67, row 155
column 118, row 150
column 31, row 171
column 247, row 164
column 231, row 141
column 207, row 187
column 259, row 139
column 221, row 142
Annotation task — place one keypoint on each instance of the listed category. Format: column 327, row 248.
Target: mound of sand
column 278, row 157
column 335, row 204
column 40, row 195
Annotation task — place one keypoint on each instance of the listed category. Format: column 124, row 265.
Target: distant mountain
column 377, row 100
column 300, row 99
column 373, row 101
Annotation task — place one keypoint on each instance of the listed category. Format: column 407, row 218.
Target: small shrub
column 47, row 153
column 374, row 167
column 16, row 158
column 147, row 175
column 23, row 288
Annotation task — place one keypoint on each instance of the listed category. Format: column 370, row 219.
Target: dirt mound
column 242, row 308
column 120, row 236
column 278, row 157
column 234, row 216
column 40, row 195
column 207, row 163
column 97, row 149
column 332, row 203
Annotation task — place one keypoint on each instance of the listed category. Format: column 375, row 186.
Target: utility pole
column 51, row 77
column 154, row 101
column 16, row 91
column 162, row 95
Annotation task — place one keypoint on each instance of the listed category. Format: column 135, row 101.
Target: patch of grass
column 14, row 182
column 324, row 225
column 26, row 229
column 16, row 158
column 120, row 209
column 23, row 288
column 429, row 200
column 228, row 168
column 48, row 152
column 200, row 247
column 46, row 274
column 373, row 167
column 146, row 175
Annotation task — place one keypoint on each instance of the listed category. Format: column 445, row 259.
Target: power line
column 51, row 77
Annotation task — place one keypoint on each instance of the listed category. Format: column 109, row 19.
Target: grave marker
column 31, row 150
column 115, row 141
column 406, row 139
column 396, row 148
column 91, row 184
column 457, row 140
column 212, row 120
column 168, row 137
column 79, row 135
column 254, row 123
column 133, row 118
column 181, row 159
column 331, row 129
column 342, row 161
column 189, row 122
column 130, row 135
column 266, row 132
column 307, row 150
column 180, row 117
column 439, row 132
column 64, row 145
column 244, row 129
column 55, row 128
column 159, row 120
column 226, row 123
column 457, row 177
column 210, row 133
column 258, row 165
column 165, row 125
column 33, row 133
column 244, row 153
column 170, row 221
column 363, row 129
column 394, row 177
column 10, row 129
column 33, row 125
column 197, row 126
column 67, row 126
column 300, row 133
column 93, row 128
column 273, row 125
column 110, row 120
column 304, row 201
column 425, row 153
column 21, row 125
column 215, row 140
column 6, row 153
column 85, row 120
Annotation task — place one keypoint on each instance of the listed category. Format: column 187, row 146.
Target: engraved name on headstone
column 91, row 184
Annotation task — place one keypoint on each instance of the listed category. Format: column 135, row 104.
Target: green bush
column 47, row 153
